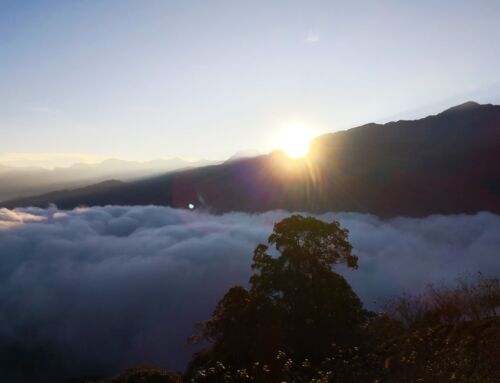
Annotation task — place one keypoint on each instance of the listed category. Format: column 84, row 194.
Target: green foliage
column 145, row 374
column 474, row 297
column 445, row 334
column 343, row 364
column 296, row 302
column 466, row 352
column 243, row 327
column 460, row 352
column 301, row 322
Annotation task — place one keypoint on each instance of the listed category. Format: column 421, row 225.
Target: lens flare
column 294, row 141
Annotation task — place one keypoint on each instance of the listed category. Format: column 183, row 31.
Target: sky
column 88, row 80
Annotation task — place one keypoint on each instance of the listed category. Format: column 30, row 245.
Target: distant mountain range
column 446, row 163
column 18, row 182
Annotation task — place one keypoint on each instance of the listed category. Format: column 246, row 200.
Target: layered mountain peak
column 466, row 106
column 443, row 164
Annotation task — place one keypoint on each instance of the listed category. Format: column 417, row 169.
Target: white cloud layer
column 10, row 218
column 109, row 287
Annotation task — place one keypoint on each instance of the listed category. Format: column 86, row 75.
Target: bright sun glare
column 294, row 141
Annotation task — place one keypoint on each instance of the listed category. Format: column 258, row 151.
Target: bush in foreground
column 145, row 375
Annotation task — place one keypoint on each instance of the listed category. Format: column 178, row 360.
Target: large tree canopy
column 296, row 302
column 308, row 249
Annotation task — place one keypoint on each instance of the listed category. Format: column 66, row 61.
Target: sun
column 294, row 141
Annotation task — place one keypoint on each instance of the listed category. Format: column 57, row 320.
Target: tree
column 144, row 374
column 249, row 324
column 296, row 302
column 318, row 305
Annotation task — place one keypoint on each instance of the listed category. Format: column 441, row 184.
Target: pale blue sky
column 204, row 79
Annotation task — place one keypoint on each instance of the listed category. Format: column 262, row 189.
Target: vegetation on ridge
column 301, row 322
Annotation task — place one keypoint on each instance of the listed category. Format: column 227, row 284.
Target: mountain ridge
column 441, row 164
column 24, row 181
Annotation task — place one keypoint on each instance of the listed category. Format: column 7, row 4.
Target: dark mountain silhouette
column 242, row 154
column 447, row 163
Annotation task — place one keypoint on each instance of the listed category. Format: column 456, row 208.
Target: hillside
column 446, row 163
column 24, row 181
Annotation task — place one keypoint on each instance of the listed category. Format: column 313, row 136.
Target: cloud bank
column 93, row 290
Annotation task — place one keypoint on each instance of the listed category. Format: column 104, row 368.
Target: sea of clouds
column 97, row 289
